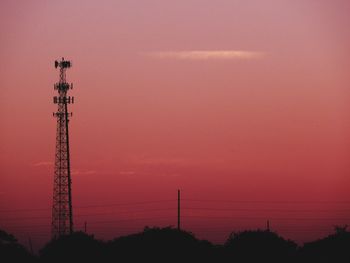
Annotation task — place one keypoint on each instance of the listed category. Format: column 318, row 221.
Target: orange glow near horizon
column 243, row 102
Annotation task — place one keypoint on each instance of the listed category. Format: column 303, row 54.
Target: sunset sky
column 243, row 105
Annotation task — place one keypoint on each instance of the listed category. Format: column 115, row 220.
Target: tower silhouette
column 62, row 214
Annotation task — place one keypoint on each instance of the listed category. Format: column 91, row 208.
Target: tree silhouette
column 161, row 245
column 172, row 245
column 77, row 247
column 259, row 246
column 12, row 251
column 333, row 248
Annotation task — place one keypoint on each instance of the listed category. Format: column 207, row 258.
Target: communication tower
column 62, row 214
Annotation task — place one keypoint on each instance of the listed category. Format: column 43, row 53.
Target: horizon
column 242, row 105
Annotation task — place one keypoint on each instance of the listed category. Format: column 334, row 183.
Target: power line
column 265, row 202
column 182, row 199
column 266, row 209
column 193, row 209
column 193, row 217
column 88, row 206
column 201, row 208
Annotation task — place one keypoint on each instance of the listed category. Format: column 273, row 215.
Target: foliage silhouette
column 260, row 246
column 173, row 245
column 333, row 248
column 161, row 245
column 77, row 247
column 12, row 251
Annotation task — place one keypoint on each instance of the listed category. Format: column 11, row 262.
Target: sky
column 243, row 105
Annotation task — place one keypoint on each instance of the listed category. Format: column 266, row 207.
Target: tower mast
column 62, row 214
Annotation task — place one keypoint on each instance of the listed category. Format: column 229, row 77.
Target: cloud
column 160, row 161
column 82, row 172
column 207, row 54
column 127, row 172
column 43, row 163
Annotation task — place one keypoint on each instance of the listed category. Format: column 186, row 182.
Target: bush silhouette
column 160, row 245
column 259, row 246
column 77, row 247
column 12, row 251
column 334, row 248
column 172, row 245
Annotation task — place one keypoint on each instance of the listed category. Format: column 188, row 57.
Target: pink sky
column 227, row 100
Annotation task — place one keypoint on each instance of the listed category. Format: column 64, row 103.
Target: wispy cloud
column 127, row 172
column 159, row 161
column 43, row 163
column 207, row 54
column 83, row 172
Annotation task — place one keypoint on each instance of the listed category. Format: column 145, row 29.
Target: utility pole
column 178, row 210
column 62, row 214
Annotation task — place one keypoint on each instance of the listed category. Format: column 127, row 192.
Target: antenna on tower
column 62, row 214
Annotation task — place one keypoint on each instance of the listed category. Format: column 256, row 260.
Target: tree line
column 172, row 245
